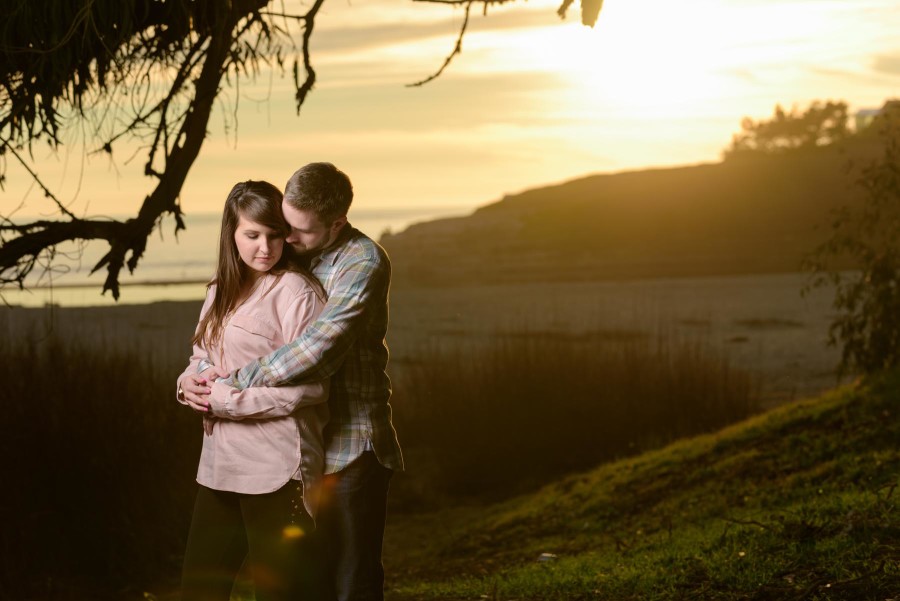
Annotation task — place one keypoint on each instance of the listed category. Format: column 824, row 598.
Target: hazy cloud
column 848, row 76
column 460, row 101
column 743, row 73
column 355, row 38
column 887, row 63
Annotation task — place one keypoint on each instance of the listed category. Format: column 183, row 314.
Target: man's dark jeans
column 351, row 522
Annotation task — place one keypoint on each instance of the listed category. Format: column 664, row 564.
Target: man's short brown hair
column 321, row 188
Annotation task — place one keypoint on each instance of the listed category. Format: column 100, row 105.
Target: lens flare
column 292, row 532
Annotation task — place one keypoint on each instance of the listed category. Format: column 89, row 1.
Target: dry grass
column 522, row 410
column 760, row 322
column 98, row 496
column 99, row 477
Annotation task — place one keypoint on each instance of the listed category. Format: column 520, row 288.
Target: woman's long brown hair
column 255, row 201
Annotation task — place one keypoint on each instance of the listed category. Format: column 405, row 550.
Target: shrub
column 866, row 237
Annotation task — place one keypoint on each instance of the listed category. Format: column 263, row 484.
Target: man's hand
column 196, row 391
column 213, row 373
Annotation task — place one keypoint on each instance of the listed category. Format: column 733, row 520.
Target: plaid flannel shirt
column 345, row 343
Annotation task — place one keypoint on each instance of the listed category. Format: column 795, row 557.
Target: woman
column 262, row 456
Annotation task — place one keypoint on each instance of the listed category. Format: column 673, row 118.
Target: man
column 347, row 344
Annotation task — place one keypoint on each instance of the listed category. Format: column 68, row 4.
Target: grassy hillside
column 799, row 503
column 749, row 215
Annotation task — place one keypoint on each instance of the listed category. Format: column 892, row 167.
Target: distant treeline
column 821, row 124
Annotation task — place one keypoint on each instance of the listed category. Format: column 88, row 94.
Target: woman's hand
column 196, row 391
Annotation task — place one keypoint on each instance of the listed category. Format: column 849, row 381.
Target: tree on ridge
column 821, row 124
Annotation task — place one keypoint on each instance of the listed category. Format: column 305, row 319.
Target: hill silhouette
column 755, row 214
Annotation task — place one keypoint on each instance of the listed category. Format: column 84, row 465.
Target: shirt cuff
column 219, row 397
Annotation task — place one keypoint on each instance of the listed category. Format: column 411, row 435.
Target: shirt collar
column 331, row 253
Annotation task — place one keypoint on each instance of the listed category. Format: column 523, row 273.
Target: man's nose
column 291, row 238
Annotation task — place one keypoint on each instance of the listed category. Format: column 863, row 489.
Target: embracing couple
column 288, row 373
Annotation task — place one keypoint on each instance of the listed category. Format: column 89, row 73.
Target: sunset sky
column 530, row 101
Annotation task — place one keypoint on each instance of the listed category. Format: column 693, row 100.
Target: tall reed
column 99, row 468
column 98, row 477
column 521, row 410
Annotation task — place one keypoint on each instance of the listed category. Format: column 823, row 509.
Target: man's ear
column 338, row 223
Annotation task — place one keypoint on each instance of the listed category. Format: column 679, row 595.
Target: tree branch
column 590, row 10
column 178, row 161
column 309, row 22
column 19, row 256
column 187, row 66
column 100, row 51
column 456, row 50
column 461, row 2
column 267, row 13
column 7, row 147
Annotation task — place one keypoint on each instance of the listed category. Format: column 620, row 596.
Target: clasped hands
column 196, row 388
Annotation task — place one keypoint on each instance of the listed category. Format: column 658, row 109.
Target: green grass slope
column 798, row 503
column 750, row 215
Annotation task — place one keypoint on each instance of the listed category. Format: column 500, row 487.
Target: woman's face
column 260, row 247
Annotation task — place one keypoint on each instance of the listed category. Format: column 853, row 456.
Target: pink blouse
column 263, row 437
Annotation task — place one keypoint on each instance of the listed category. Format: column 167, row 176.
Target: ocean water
column 173, row 268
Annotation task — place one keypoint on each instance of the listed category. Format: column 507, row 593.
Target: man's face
column 308, row 233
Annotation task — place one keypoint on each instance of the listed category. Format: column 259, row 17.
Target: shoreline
column 72, row 296
column 84, row 294
column 121, row 284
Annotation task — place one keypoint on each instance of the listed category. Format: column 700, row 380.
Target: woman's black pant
column 272, row 531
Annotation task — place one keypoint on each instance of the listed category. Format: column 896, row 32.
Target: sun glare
column 658, row 58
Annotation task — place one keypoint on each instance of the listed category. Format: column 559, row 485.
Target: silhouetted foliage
column 861, row 259
column 148, row 71
column 819, row 125
column 143, row 71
